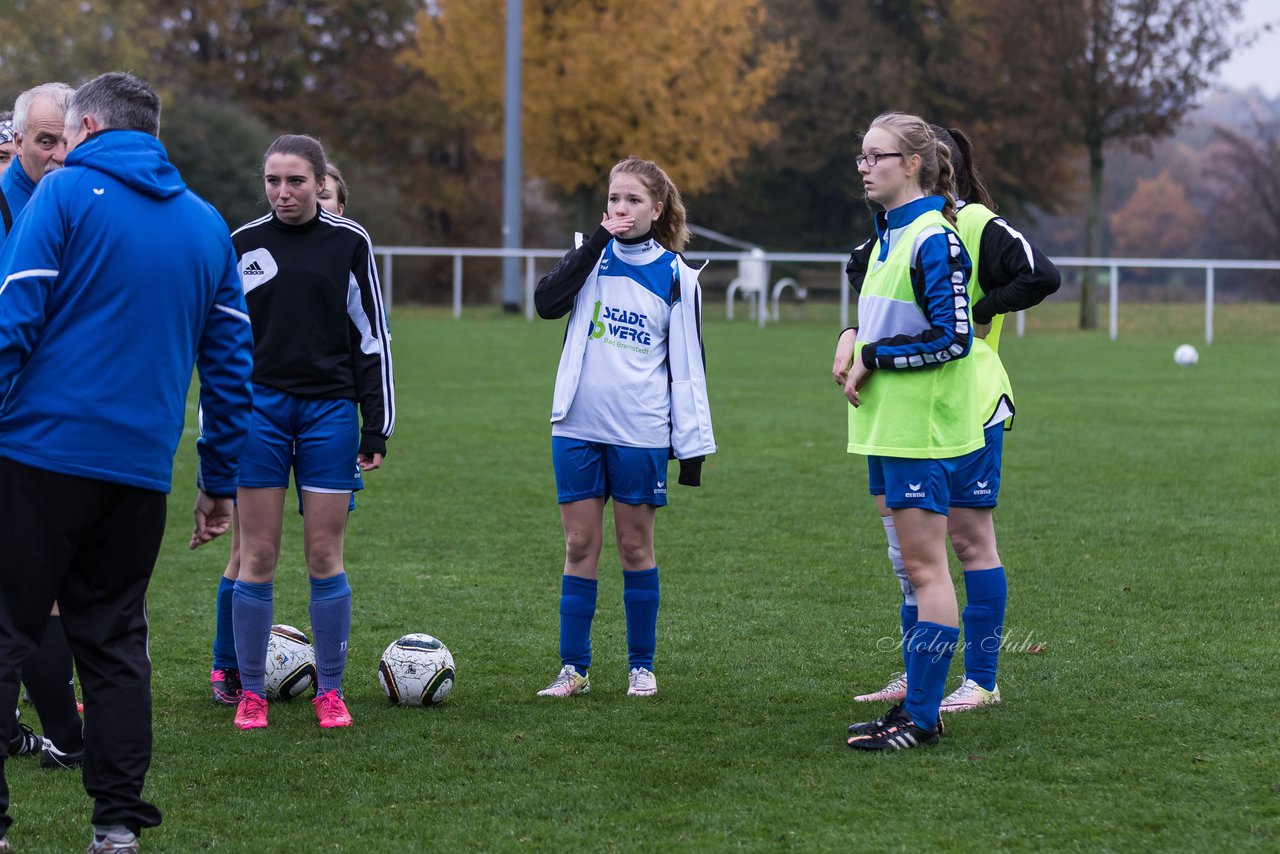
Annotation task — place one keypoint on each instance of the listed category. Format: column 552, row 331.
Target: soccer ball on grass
column 417, row 670
column 291, row 663
column 1185, row 356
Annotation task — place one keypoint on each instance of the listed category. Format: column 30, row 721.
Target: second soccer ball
column 291, row 663
column 417, row 670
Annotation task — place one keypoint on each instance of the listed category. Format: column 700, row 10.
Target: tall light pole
column 512, row 221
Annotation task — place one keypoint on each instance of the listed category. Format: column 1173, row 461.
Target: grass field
column 1138, row 521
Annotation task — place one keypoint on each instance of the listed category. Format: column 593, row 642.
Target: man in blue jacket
column 115, row 281
column 39, row 146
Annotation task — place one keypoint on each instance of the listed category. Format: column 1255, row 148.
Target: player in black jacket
column 321, row 351
column 224, row 678
column 1010, row 275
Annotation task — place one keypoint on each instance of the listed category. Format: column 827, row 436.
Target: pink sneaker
column 330, row 709
column 894, row 692
column 251, row 713
column 641, row 682
column 225, row 685
column 569, row 683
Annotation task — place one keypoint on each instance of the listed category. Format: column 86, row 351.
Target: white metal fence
column 753, row 276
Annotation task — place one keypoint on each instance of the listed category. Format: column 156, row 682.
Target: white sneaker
column 113, row 840
column 641, row 682
column 970, row 695
column 568, row 684
column 894, row 692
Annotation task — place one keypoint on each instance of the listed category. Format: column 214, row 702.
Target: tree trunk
column 588, row 204
column 1092, row 239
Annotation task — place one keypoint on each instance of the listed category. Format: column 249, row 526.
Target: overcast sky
column 1257, row 66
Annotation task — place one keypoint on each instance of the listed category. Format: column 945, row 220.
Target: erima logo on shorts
column 257, row 267
column 982, row 488
column 914, row 491
column 661, row 488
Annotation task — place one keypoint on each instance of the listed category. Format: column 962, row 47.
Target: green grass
column 1138, row 522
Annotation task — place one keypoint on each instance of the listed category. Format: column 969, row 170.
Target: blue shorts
column 972, row 480
column 977, row 479
column 595, row 469
column 318, row 439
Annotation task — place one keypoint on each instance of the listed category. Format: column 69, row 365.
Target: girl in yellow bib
column 915, row 396
column 1009, row 274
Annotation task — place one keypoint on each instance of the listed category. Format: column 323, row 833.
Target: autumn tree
column 858, row 58
column 42, row 41
column 1122, row 71
column 1157, row 220
column 331, row 68
column 682, row 85
column 1245, row 167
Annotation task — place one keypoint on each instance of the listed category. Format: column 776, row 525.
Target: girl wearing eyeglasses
column 1010, row 274
column 913, row 391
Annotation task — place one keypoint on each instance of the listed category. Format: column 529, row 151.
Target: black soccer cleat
column 868, row 727
column 896, row 731
column 25, row 742
column 53, row 759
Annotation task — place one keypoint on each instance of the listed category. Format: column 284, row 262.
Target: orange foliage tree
column 683, row 84
column 1158, row 221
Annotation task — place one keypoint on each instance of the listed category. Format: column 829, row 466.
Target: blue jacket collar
column 132, row 157
column 903, row 215
column 17, row 178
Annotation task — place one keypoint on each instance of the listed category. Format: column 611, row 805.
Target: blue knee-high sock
column 929, row 649
column 224, row 638
column 252, row 611
column 986, row 592
column 909, row 614
column 640, row 599
column 577, row 609
column 331, row 625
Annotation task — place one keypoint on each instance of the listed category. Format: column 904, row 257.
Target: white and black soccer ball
column 1185, row 356
column 291, row 663
column 417, row 670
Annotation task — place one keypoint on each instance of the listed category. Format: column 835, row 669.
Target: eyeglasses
column 873, row 159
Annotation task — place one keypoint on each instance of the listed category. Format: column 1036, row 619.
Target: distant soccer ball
column 1186, row 356
column 416, row 670
column 291, row 663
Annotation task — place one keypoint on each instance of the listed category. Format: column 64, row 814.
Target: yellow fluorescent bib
column 971, row 221
column 920, row 413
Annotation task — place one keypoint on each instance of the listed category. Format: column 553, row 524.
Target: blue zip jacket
column 17, row 188
column 114, row 282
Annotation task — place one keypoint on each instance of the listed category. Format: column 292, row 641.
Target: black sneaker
column 868, row 727
column 25, row 742
column 226, row 686
column 55, row 760
column 896, row 731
